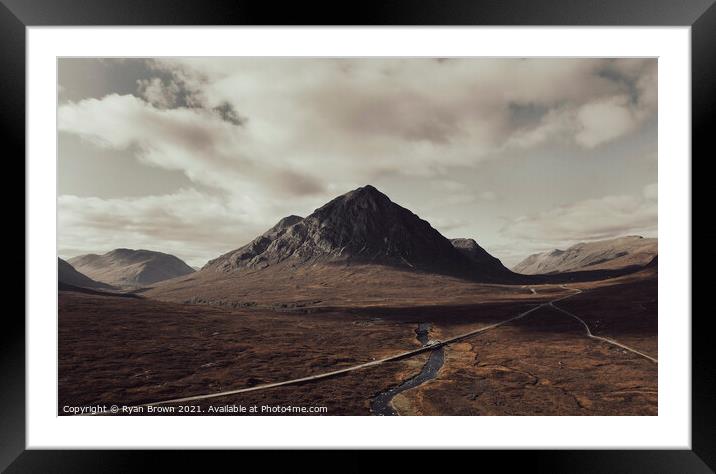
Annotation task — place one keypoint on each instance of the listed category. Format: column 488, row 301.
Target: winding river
column 380, row 405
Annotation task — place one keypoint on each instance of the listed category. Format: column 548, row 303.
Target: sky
column 197, row 156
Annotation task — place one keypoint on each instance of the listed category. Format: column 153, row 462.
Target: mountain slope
column 126, row 267
column 66, row 274
column 474, row 252
column 362, row 226
column 612, row 254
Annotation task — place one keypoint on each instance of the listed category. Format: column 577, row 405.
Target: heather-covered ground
column 127, row 351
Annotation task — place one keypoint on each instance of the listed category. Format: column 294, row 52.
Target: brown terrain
column 545, row 365
column 314, row 295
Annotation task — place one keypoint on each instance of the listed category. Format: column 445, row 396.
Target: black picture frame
column 16, row 15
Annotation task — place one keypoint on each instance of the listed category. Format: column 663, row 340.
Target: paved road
column 402, row 355
column 604, row 339
column 589, row 332
column 501, row 323
column 324, row 375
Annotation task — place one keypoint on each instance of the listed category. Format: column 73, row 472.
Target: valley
column 116, row 351
column 361, row 308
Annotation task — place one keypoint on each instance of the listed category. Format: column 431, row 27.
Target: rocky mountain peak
column 360, row 226
column 472, row 250
column 281, row 226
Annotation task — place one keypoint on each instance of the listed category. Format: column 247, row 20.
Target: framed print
column 441, row 226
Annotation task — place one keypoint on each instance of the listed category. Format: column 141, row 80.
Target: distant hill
column 612, row 254
column 68, row 275
column 127, row 267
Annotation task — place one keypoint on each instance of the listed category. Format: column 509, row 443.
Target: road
column 589, row 332
column 604, row 339
column 402, row 355
column 324, row 375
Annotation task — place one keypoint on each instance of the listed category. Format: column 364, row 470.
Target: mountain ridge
column 68, row 275
column 609, row 254
column 129, row 267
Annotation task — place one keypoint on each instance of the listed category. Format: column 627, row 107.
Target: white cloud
column 591, row 219
column 276, row 137
column 189, row 224
column 603, row 121
column 364, row 117
column 208, row 149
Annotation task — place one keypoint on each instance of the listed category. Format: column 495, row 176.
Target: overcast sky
column 196, row 157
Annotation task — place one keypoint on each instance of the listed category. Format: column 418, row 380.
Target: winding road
column 605, row 339
column 404, row 355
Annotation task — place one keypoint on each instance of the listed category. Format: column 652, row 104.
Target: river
column 380, row 405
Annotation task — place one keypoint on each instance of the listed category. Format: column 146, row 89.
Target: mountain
column 358, row 249
column 622, row 252
column 362, row 226
column 127, row 267
column 470, row 249
column 67, row 275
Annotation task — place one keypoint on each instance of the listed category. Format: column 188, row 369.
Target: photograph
column 364, row 236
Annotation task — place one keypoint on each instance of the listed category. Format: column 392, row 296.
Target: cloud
column 160, row 95
column 268, row 137
column 173, row 87
column 488, row 196
column 448, row 225
column 189, row 224
column 325, row 119
column 208, row 149
column 651, row 192
column 591, row 219
column 604, row 121
column 556, row 125
column 455, row 193
column 227, row 112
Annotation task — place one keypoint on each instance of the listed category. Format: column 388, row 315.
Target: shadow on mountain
column 89, row 291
